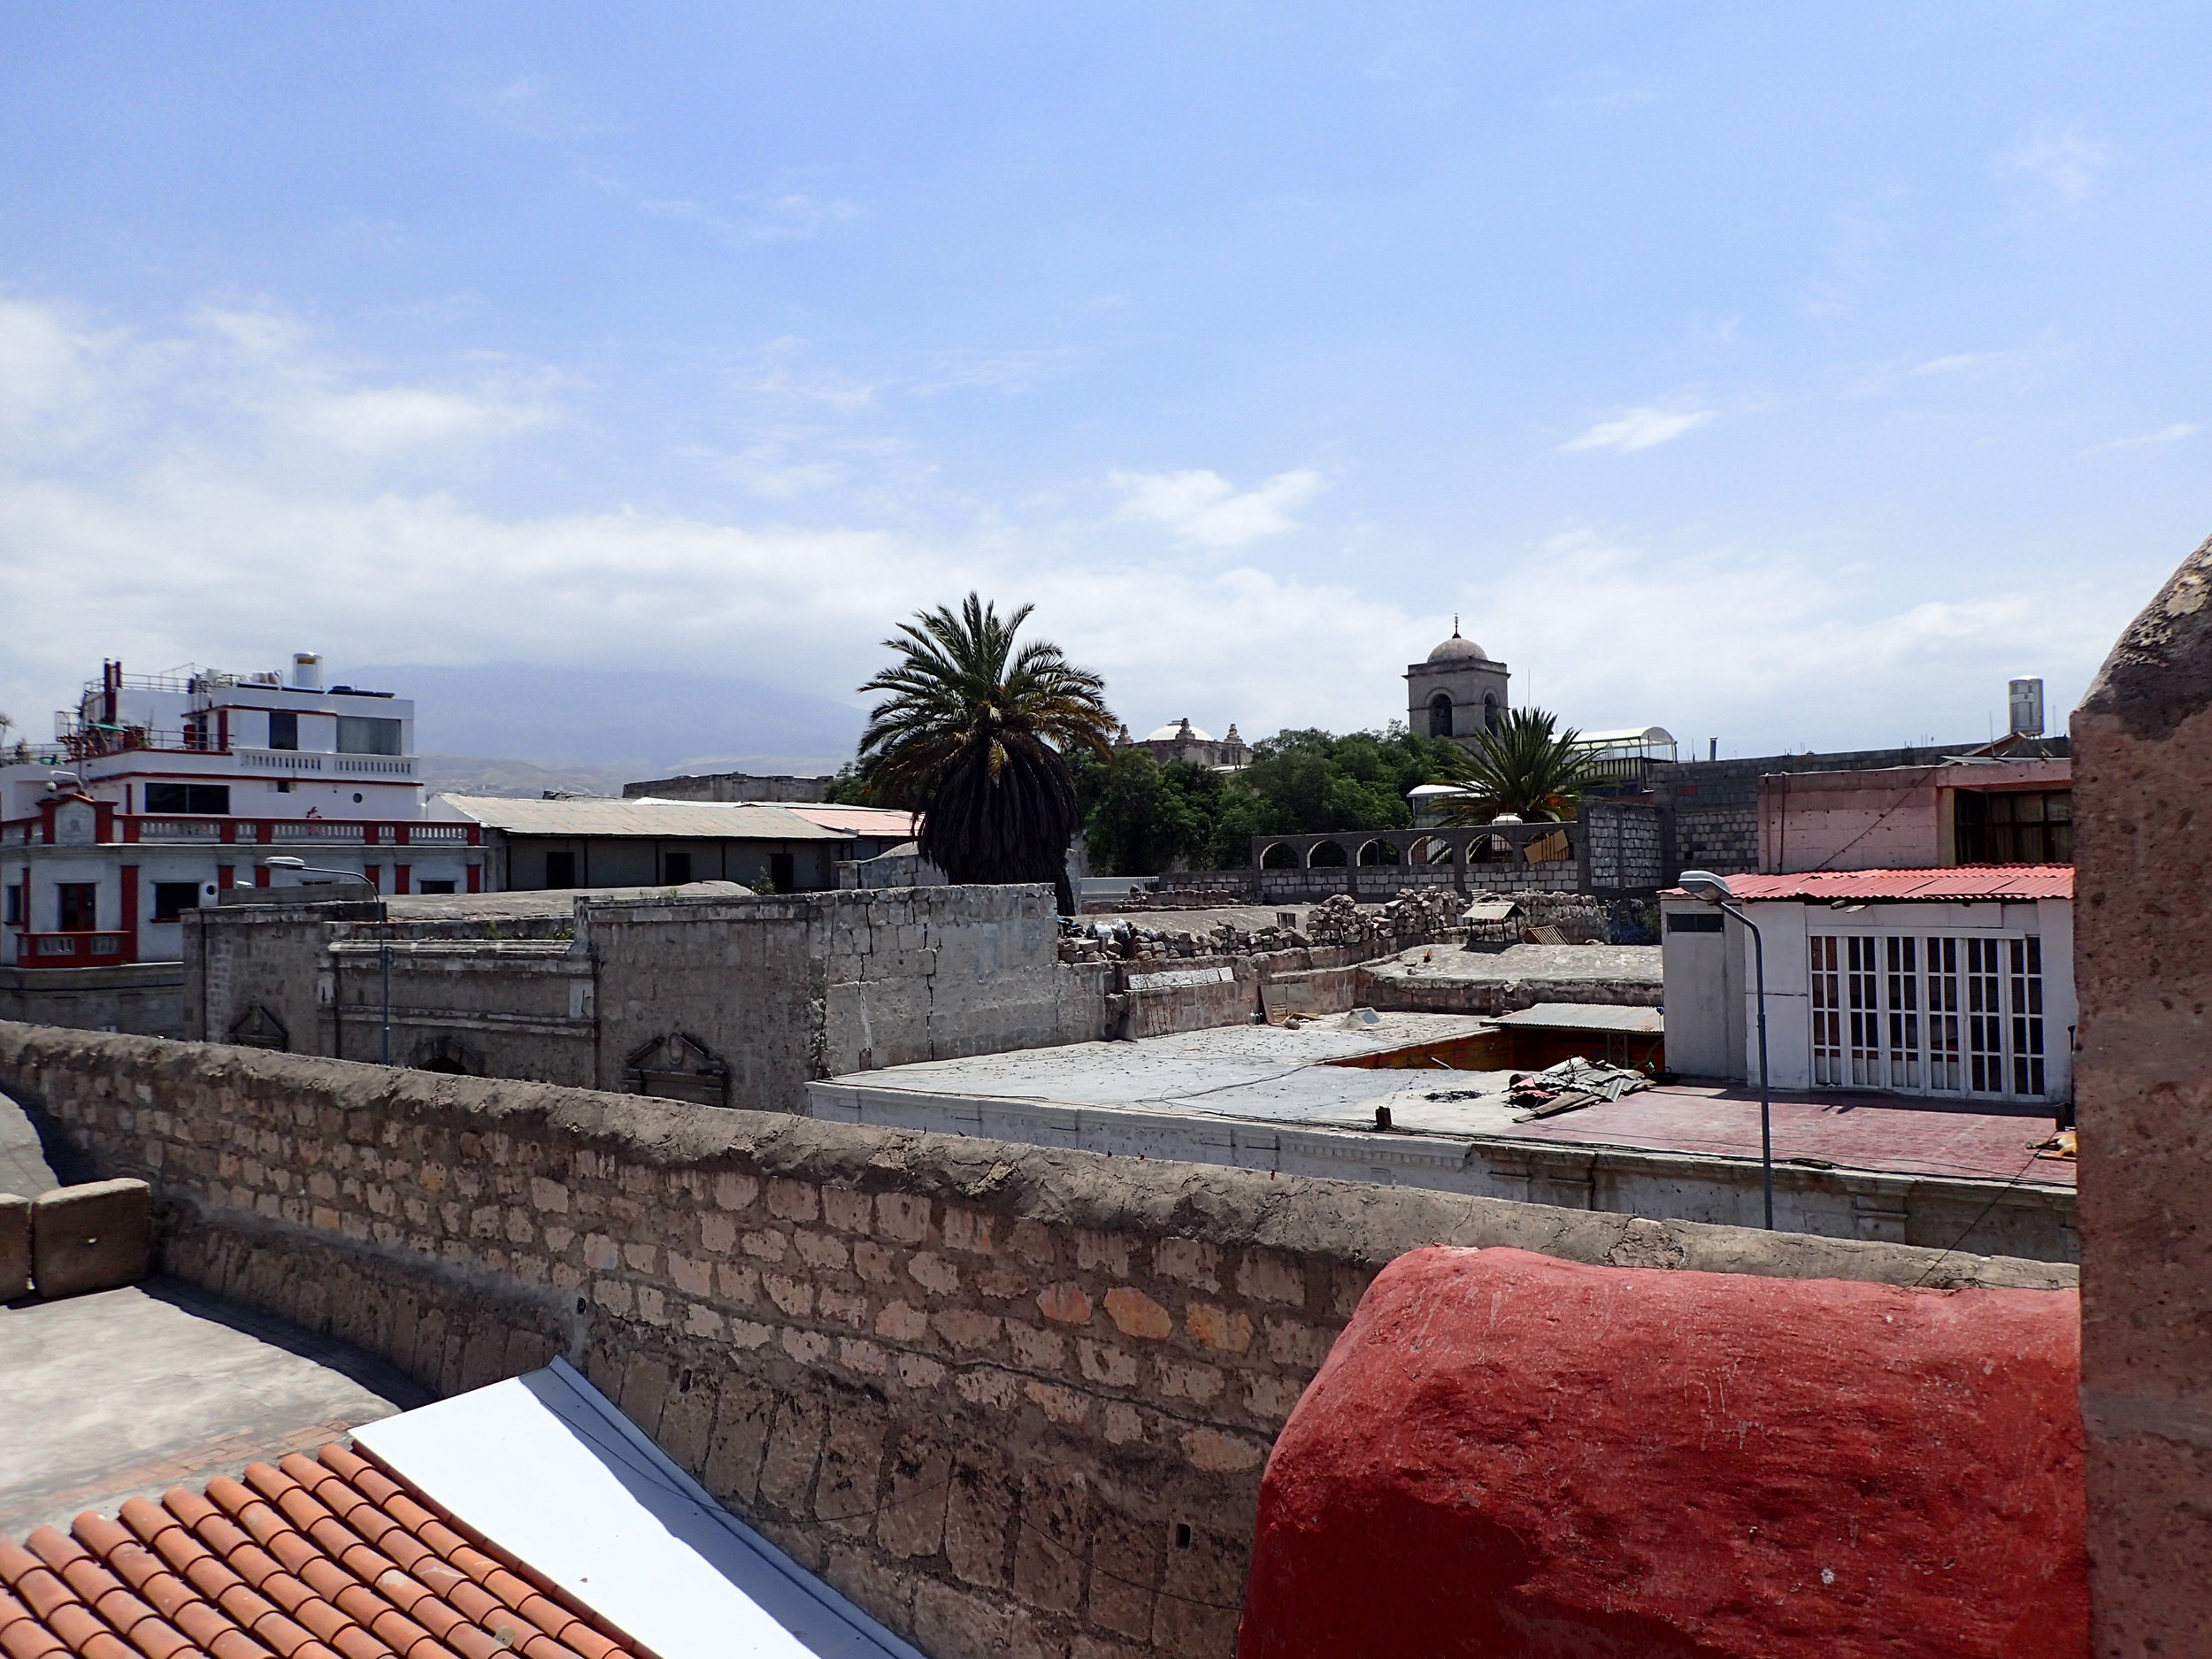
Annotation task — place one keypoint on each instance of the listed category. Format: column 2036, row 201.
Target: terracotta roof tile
column 321, row 1558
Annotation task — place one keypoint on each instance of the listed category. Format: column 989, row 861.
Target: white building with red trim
column 1954, row 983
column 160, row 791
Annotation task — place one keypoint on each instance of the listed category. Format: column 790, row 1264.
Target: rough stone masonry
column 1013, row 1401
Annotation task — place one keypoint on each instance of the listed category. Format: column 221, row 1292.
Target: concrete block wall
column 1626, row 846
column 1011, row 1400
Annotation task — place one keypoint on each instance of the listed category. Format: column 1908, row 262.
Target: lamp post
column 1709, row 888
column 285, row 861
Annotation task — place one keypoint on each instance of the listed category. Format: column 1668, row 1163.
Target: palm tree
column 1524, row 765
column 973, row 734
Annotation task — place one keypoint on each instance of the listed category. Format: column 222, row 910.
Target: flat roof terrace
column 1305, row 1102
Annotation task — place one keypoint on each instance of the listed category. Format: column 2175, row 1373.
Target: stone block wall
column 2143, row 1092
column 1624, row 845
column 778, row 989
column 1013, row 1401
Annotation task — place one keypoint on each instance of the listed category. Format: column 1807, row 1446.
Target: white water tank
column 2026, row 699
column 307, row 671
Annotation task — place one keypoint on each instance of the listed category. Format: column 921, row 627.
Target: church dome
column 1458, row 650
column 1182, row 730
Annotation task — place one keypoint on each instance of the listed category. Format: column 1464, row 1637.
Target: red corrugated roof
column 1926, row 886
column 317, row 1560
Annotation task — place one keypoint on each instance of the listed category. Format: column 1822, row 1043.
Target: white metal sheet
column 546, row 1466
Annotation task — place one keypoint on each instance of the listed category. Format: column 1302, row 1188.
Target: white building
column 1952, row 983
column 160, row 791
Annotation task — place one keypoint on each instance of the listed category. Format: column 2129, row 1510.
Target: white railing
column 318, row 830
column 180, row 829
column 279, row 760
column 367, row 766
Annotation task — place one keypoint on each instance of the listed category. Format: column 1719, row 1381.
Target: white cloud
column 229, row 530
column 1640, row 429
column 1202, row 509
column 2061, row 157
column 1951, row 365
column 2165, row 435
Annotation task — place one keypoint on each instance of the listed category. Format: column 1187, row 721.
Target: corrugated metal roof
column 672, row 821
column 1923, row 886
column 859, row 820
column 1588, row 1017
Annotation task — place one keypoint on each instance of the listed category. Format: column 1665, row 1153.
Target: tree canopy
column 1525, row 765
column 973, row 733
column 1141, row 818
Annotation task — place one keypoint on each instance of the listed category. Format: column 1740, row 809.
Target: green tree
column 1141, row 818
column 846, row 788
column 1525, row 765
column 974, row 735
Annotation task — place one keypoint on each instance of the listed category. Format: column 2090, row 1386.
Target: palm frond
column 1526, row 767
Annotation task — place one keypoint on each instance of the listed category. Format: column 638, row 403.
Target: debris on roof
column 1570, row 1084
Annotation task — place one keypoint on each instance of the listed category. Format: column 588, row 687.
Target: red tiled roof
column 328, row 1559
column 1925, row 886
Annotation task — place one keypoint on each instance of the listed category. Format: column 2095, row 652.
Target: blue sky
column 1793, row 378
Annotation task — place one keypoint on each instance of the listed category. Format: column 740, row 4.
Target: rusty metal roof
column 1950, row 884
column 643, row 820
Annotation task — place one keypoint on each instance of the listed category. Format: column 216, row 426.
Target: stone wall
column 730, row 786
column 1010, row 1400
column 2143, row 1094
column 764, row 991
column 145, row 998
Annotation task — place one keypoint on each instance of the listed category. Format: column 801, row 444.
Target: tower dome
column 1458, row 650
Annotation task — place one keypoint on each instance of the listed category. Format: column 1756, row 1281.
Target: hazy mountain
column 625, row 724
column 475, row 774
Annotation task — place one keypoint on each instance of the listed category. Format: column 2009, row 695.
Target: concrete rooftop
column 1265, row 1074
column 127, row 1392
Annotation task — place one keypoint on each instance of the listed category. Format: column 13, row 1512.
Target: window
column 1827, row 1013
column 197, row 799
column 1861, row 991
column 1440, row 716
column 1695, row 922
column 358, row 734
column 284, row 729
column 80, row 906
column 1904, row 1011
column 435, row 887
column 560, row 869
column 2027, row 1015
column 172, row 898
column 2013, row 826
column 1928, row 1014
column 1490, row 712
column 15, row 906
column 676, row 868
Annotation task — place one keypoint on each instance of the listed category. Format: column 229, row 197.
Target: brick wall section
column 1013, row 1401
column 1709, row 808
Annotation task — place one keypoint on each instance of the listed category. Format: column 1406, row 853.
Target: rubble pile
column 1414, row 919
column 1570, row 1084
column 1581, row 919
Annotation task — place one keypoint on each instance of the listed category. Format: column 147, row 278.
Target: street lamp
column 285, row 861
column 1709, row 888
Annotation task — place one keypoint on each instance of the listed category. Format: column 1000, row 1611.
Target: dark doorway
column 560, row 869
column 80, row 906
column 782, row 872
column 675, row 868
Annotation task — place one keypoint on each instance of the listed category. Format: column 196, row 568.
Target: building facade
column 1457, row 693
column 1185, row 743
column 160, row 791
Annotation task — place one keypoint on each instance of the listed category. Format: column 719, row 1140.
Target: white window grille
column 1827, row 1014
column 1903, row 1011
